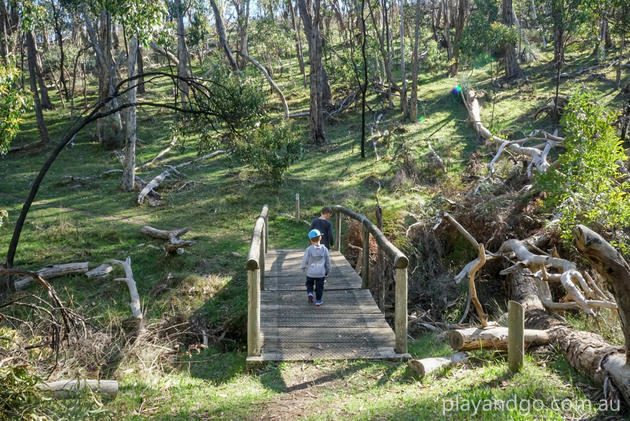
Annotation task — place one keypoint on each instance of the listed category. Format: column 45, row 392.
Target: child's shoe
column 310, row 298
column 318, row 303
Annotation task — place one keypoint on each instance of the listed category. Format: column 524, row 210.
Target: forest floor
column 95, row 221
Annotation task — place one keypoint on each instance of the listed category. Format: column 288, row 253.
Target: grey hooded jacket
column 316, row 261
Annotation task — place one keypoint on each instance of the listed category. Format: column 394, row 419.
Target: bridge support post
column 253, row 312
column 400, row 318
column 365, row 264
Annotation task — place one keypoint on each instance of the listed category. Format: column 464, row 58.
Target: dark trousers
column 319, row 286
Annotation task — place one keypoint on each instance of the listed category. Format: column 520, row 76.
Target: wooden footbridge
column 282, row 326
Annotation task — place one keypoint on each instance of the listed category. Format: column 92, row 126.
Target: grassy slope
column 95, row 221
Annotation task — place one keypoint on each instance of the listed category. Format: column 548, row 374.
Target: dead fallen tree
column 587, row 352
column 530, row 275
column 537, row 155
column 426, row 366
column 53, row 271
column 493, row 337
column 173, row 241
column 270, row 80
column 61, row 389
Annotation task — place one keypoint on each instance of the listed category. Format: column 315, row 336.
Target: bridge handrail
column 401, row 262
column 255, row 280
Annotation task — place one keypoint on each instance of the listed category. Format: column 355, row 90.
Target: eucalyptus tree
column 512, row 68
column 311, row 13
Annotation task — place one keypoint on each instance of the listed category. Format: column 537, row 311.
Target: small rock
column 235, row 254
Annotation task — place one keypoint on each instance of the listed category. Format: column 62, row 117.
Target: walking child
column 323, row 225
column 316, row 264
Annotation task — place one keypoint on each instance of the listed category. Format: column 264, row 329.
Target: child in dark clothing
column 316, row 264
column 323, row 225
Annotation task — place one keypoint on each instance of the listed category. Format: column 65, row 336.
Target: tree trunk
column 4, row 26
column 364, row 85
column 59, row 36
column 413, row 105
column 621, row 48
column 460, row 22
column 182, row 52
column 298, row 40
column 312, row 31
column 403, row 92
column 512, row 68
column 102, row 45
column 242, row 11
column 141, row 88
column 39, row 71
column 312, row 18
column 41, row 124
column 129, row 171
column 222, row 37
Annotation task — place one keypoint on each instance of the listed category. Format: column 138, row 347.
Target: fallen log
column 613, row 267
column 101, row 271
column 494, row 337
column 69, row 388
column 586, row 352
column 53, row 271
column 427, row 366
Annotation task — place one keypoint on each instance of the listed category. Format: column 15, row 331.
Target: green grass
column 95, row 221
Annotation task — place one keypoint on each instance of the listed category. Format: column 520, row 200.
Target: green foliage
column 270, row 149
column 484, row 32
column 19, row 395
column 584, row 186
column 13, row 104
column 3, row 215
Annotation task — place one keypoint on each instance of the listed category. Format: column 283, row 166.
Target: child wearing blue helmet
column 316, row 264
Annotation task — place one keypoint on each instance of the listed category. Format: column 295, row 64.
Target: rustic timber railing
column 400, row 268
column 255, row 280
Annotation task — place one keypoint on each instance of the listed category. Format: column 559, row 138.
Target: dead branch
column 136, row 309
column 270, row 80
column 536, row 155
column 160, row 154
column 52, row 271
column 174, row 243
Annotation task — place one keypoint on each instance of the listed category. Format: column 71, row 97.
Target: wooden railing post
column 400, row 317
column 516, row 337
column 255, row 281
column 253, row 312
column 365, row 264
column 338, row 228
